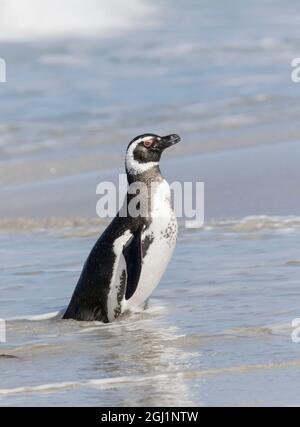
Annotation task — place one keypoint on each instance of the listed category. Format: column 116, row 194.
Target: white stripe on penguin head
column 133, row 166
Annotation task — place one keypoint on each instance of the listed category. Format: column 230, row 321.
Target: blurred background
column 83, row 78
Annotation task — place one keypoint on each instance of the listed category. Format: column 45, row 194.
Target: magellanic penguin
column 130, row 257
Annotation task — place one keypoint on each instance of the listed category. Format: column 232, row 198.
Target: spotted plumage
column 130, row 257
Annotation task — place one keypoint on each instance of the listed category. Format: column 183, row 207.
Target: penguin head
column 144, row 151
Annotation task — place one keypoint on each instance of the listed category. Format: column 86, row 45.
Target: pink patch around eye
column 148, row 142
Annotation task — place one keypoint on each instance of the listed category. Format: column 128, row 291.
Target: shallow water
column 204, row 339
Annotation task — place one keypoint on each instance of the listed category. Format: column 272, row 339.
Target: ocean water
column 217, row 330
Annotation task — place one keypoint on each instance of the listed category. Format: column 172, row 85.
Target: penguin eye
column 148, row 142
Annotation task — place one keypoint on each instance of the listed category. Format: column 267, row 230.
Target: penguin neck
column 150, row 175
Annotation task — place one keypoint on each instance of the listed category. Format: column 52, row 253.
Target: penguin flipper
column 132, row 252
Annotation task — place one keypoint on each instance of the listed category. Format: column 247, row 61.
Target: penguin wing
column 132, row 253
column 110, row 274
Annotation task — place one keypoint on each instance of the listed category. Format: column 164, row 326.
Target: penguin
column 128, row 260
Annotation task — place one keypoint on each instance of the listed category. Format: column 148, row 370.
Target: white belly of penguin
column 161, row 237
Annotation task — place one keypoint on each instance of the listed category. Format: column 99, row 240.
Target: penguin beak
column 168, row 141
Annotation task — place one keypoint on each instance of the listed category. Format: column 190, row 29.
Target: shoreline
column 270, row 174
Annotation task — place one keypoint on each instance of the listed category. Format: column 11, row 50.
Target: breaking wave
column 77, row 226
